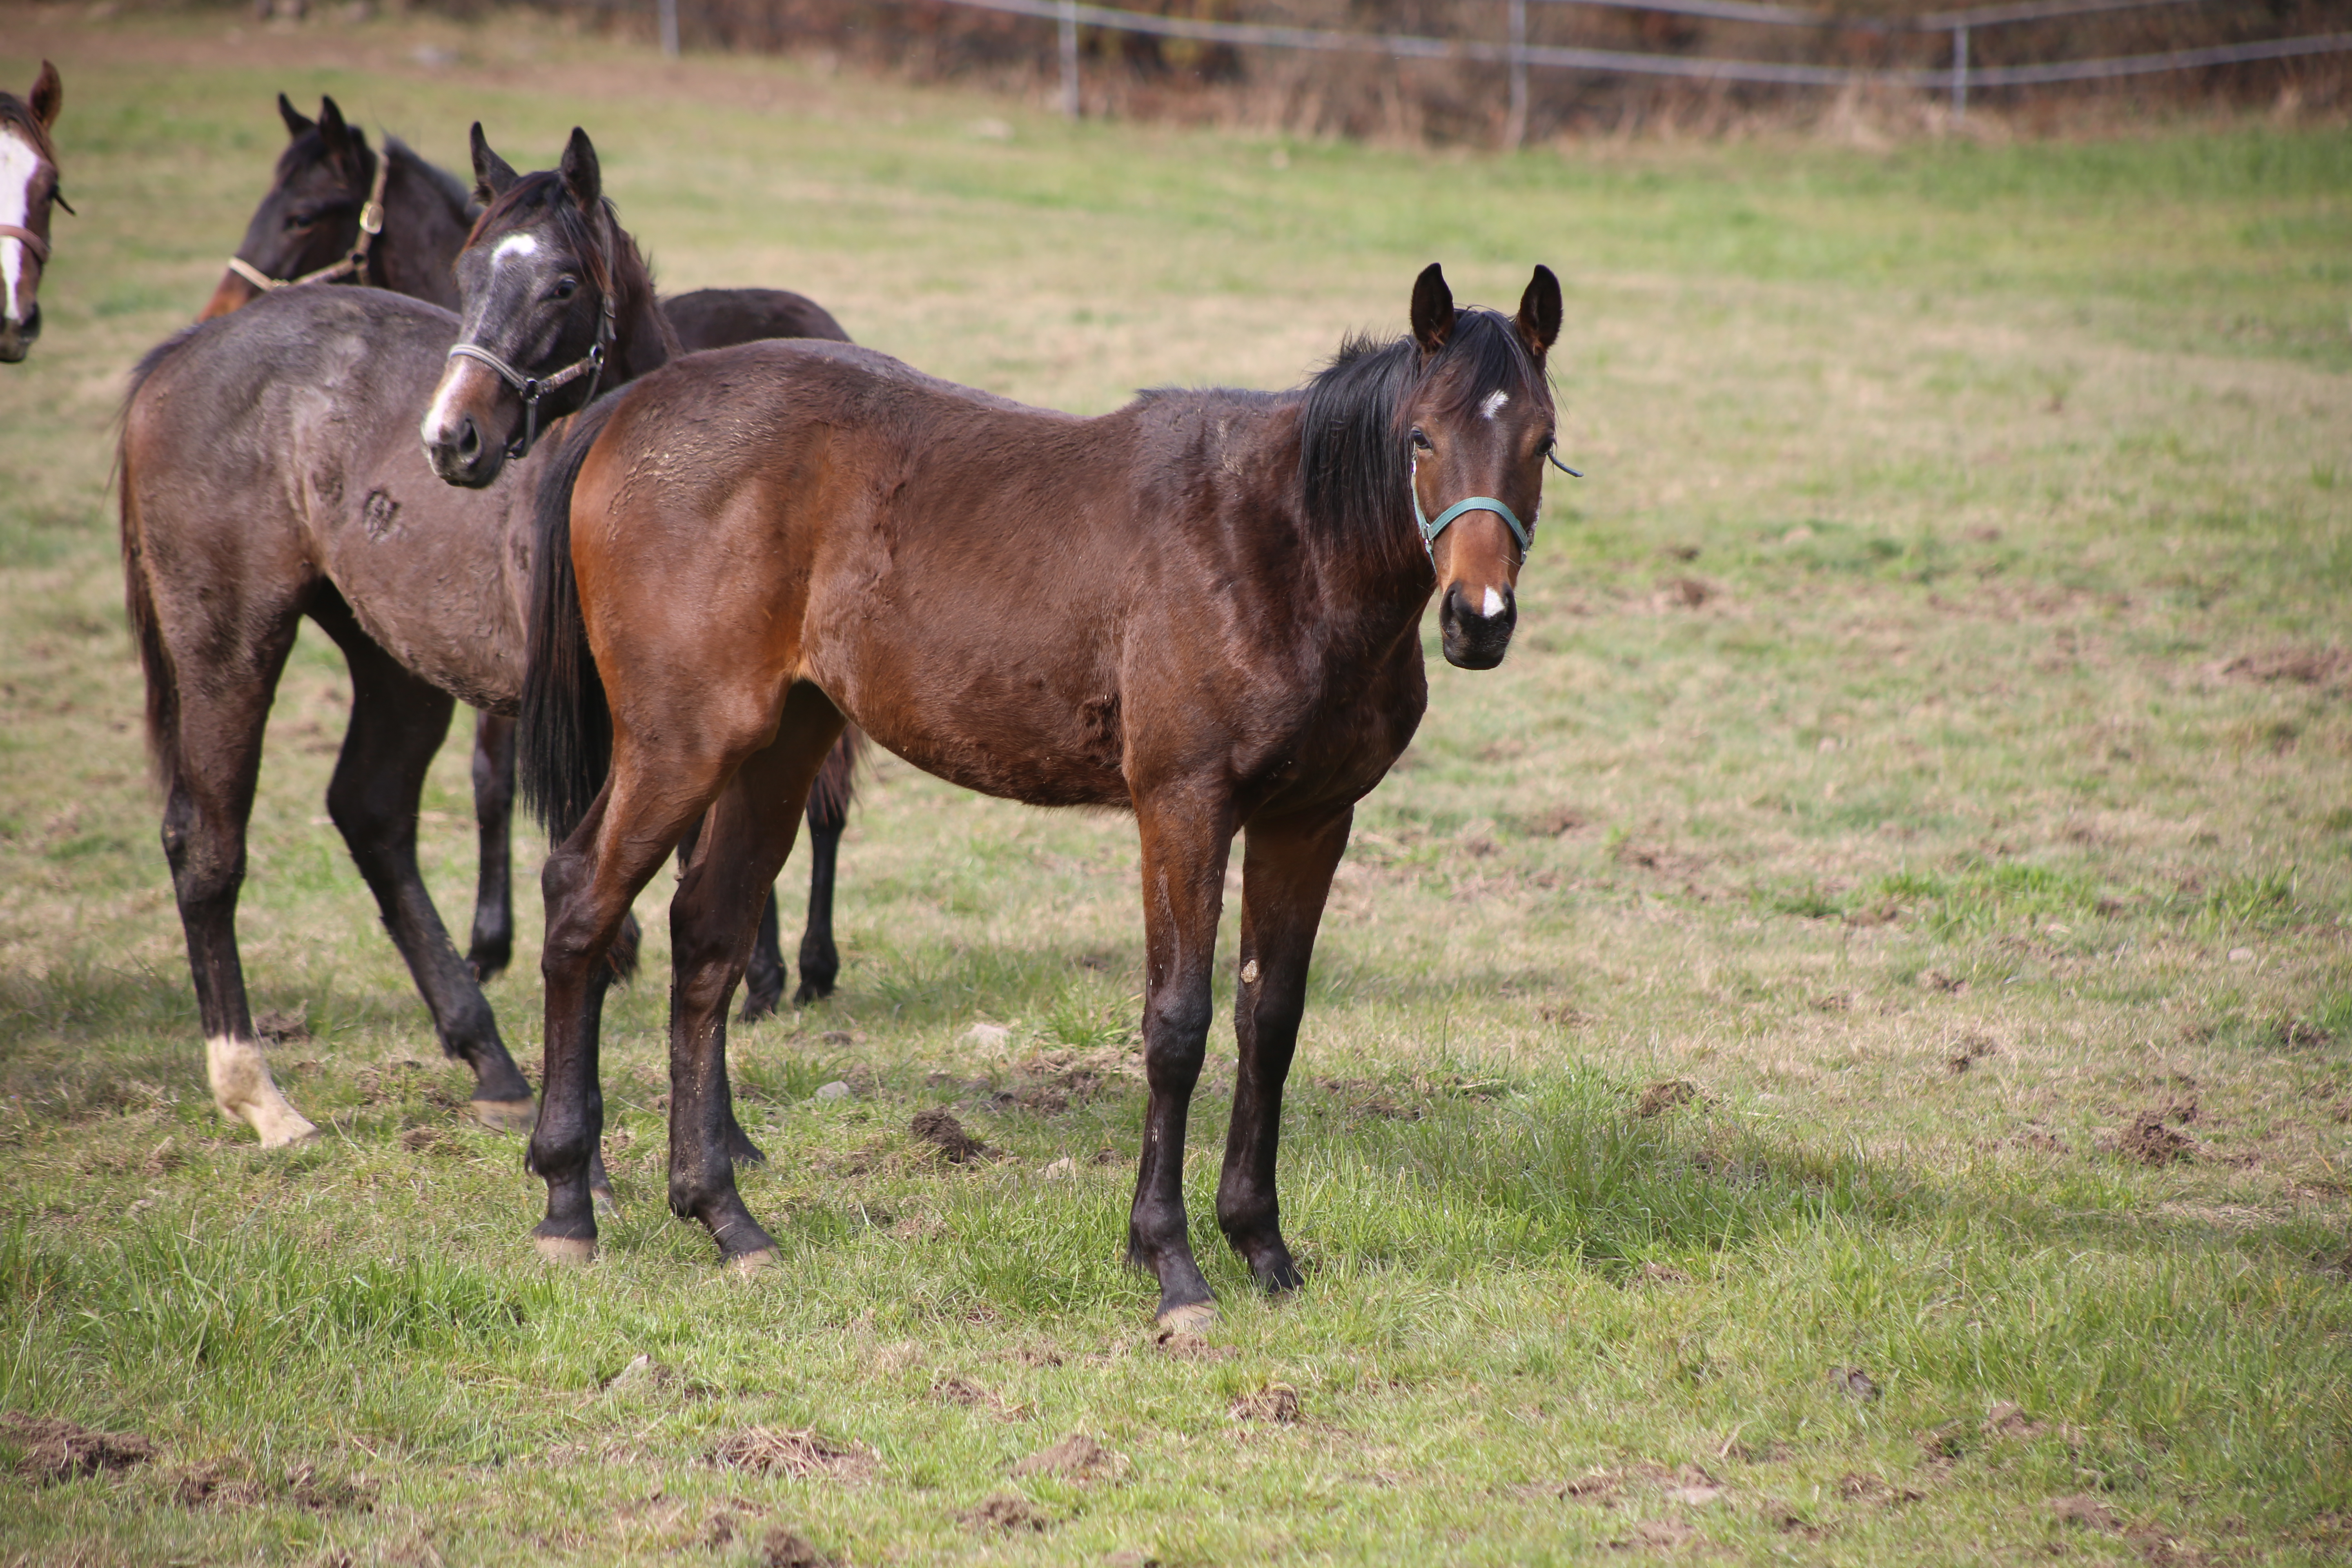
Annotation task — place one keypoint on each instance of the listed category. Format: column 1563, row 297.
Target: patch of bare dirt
column 1853, row 1383
column 1006, row 1515
column 2084, row 1510
column 1276, row 1403
column 430, row 1140
column 1552, row 824
column 1683, row 593
column 2300, row 666
column 2147, row 1138
column 1052, row 1082
column 1366, row 1097
column 205, row 1486
column 798, row 1452
column 1654, row 1535
column 283, row 1025
column 2008, row 1419
column 57, row 1449
column 949, row 1389
column 1971, row 1049
column 1939, row 980
column 939, row 1128
column 1076, row 1458
column 1665, row 1095
column 1660, row 1274
column 328, row 1494
column 2295, row 1032
column 785, row 1548
column 2034, row 1136
column 1856, row 1486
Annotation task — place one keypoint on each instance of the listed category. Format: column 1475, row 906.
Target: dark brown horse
column 339, row 212
column 1203, row 607
column 28, row 189
column 269, row 471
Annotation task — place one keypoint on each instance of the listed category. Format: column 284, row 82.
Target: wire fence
column 1513, row 51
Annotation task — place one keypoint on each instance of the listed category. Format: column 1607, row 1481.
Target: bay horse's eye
column 1421, row 440
column 566, row 286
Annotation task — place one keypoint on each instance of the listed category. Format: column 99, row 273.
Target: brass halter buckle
column 352, row 266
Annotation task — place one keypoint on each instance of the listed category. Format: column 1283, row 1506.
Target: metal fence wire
column 1513, row 51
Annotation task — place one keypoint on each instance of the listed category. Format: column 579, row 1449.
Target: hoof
column 752, row 1262
column 607, row 1206
column 1192, row 1318
column 565, row 1249
column 288, row 1133
column 506, row 1115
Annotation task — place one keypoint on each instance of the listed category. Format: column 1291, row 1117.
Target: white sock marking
column 1494, row 403
column 244, row 1091
column 1493, row 606
column 18, row 165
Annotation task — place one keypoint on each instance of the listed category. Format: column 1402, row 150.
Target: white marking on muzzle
column 440, row 419
column 1493, row 603
column 1494, row 403
column 18, row 165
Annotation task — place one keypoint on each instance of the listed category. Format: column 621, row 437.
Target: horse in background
column 1203, row 607
column 28, row 190
column 338, row 211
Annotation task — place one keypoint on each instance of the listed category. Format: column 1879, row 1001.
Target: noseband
column 533, row 387
column 1431, row 529
column 352, row 266
column 32, row 242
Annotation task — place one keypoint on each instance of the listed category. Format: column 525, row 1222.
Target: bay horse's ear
column 493, row 176
column 1433, row 308
column 48, row 96
column 581, row 176
column 1539, row 312
column 296, row 125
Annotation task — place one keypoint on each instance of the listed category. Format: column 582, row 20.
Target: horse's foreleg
column 216, row 758
column 746, row 837
column 763, row 972
column 491, row 948
column 398, row 722
column 1287, row 868
column 1185, row 839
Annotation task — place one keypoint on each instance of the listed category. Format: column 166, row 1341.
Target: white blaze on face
column 1494, row 402
column 18, row 165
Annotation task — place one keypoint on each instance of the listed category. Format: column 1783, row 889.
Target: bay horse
column 28, row 189
column 337, row 211
column 269, row 472
column 1203, row 609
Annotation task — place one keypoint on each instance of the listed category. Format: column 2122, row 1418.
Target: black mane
column 1355, row 467
column 446, row 185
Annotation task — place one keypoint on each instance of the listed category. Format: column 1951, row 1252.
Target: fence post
column 1960, row 72
column 668, row 10
column 1069, row 41
column 1514, row 128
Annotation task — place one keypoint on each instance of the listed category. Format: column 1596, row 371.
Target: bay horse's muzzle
column 1475, row 640
column 16, row 337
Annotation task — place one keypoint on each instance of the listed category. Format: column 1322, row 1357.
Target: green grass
column 1926, row 741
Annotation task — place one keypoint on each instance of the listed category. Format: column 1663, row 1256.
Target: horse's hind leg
column 746, row 837
column 1287, row 868
column 491, row 947
column 763, row 974
column 215, row 760
column 828, row 813
column 398, row 722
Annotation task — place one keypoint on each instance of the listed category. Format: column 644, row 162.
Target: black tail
column 565, row 745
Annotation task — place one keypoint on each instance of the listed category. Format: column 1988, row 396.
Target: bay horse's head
column 1455, row 422
column 316, row 217
column 1479, row 425
column 538, row 279
column 28, row 189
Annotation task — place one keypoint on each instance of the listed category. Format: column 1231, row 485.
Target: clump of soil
column 328, row 1494
column 1183, row 1344
column 1970, row 1049
column 2147, row 1140
column 1663, row 1274
column 1367, row 1098
column 1685, row 593
column 798, row 1452
column 1938, row 980
column 1277, row 1402
column 57, row 1449
column 1665, row 1095
column 2084, row 1510
column 1077, row 1457
column 2302, row 666
column 1006, row 1515
column 1856, row 1486
column 1050, row 1081
column 783, row 1548
column 940, row 1128
column 280, row 1025
column 203, row 1486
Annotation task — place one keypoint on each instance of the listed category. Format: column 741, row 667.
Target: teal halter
column 1430, row 531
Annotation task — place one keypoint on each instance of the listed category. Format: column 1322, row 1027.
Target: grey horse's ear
column 1433, row 308
column 48, row 96
column 582, row 175
column 297, row 124
column 493, row 175
column 1539, row 312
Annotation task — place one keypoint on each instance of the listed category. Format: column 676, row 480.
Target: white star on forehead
column 1494, row 402
column 514, row 245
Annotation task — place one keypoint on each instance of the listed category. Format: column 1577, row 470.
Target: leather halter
column 352, row 266
column 534, row 387
column 33, row 243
